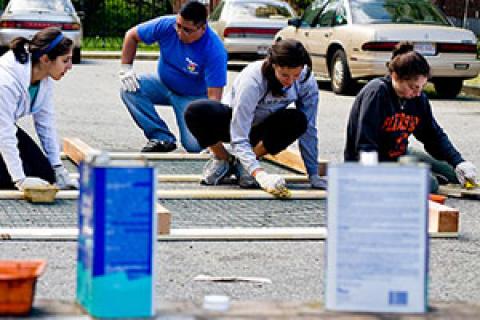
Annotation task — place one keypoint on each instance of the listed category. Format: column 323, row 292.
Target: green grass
column 475, row 81
column 111, row 44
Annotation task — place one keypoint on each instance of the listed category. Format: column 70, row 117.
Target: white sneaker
column 214, row 171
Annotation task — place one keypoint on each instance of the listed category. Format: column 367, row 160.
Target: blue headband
column 50, row 47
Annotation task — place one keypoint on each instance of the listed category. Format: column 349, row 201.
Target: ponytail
column 18, row 46
column 407, row 63
column 49, row 41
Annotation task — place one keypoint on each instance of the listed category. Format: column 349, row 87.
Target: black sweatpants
column 209, row 121
column 34, row 161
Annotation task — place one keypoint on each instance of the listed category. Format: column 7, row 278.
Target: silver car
column 247, row 27
column 24, row 18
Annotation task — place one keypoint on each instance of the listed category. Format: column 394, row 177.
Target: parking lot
column 89, row 107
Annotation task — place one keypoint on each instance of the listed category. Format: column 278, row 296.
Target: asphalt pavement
column 89, row 107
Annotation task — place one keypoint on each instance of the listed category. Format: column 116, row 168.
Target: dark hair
column 194, row 11
column 288, row 53
column 407, row 63
column 21, row 47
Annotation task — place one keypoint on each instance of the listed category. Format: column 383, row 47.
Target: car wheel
column 447, row 88
column 341, row 80
column 77, row 56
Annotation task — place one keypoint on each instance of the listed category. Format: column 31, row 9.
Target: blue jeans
column 141, row 105
column 437, row 168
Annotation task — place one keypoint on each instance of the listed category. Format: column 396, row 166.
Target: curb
column 142, row 55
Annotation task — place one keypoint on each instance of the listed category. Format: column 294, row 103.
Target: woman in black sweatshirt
column 387, row 110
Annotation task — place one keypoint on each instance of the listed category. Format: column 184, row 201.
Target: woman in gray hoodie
column 255, row 119
column 26, row 73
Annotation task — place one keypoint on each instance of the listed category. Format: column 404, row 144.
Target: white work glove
column 466, row 171
column 317, row 182
column 63, row 180
column 30, row 182
column 272, row 183
column 128, row 78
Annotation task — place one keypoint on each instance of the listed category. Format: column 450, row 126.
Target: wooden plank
column 114, row 155
column 178, row 234
column 292, row 160
column 186, row 178
column 18, row 195
column 456, row 191
column 242, row 194
column 77, row 150
column 442, row 218
column 223, row 234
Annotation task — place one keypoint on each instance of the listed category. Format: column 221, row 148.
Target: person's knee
column 294, row 121
column 299, row 121
column 194, row 112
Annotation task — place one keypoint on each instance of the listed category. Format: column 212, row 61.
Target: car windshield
column 396, row 11
column 63, row 6
column 268, row 10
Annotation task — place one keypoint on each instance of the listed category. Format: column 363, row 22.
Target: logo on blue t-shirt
column 191, row 66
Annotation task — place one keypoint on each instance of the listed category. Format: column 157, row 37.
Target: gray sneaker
column 245, row 180
column 214, row 171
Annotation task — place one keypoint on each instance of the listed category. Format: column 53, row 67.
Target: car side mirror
column 296, row 22
column 81, row 14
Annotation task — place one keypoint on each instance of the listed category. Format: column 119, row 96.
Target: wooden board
column 242, row 194
column 77, row 150
column 219, row 234
column 456, row 191
column 442, row 218
column 292, row 160
column 186, row 178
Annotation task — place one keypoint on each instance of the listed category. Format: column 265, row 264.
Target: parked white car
column 247, row 27
column 24, row 18
column 353, row 39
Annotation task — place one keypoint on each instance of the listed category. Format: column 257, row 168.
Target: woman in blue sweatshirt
column 389, row 109
column 255, row 119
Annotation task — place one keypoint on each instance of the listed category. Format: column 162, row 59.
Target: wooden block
column 442, row 218
column 77, row 150
column 164, row 220
column 456, row 191
column 41, row 194
column 292, row 160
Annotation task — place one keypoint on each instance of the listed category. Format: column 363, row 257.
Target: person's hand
column 272, row 183
column 466, row 172
column 30, row 182
column 128, row 78
column 63, row 180
column 317, row 182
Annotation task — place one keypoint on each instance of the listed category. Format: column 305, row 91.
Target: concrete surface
column 88, row 106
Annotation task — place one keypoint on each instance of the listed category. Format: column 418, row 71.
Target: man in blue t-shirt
column 192, row 65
